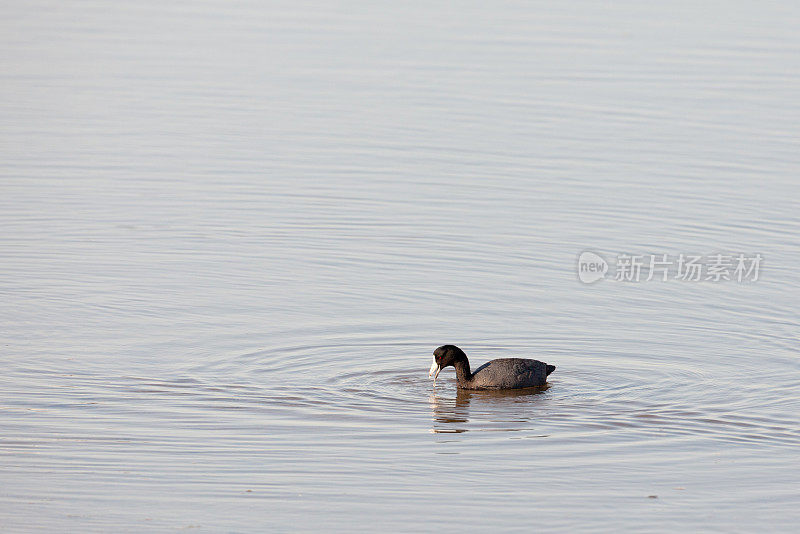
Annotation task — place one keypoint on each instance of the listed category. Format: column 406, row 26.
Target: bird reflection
column 451, row 415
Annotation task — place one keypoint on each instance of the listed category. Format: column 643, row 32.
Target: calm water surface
column 232, row 234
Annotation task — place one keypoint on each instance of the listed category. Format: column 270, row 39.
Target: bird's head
column 444, row 356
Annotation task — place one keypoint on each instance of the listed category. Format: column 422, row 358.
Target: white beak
column 434, row 370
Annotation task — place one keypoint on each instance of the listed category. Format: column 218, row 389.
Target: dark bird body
column 503, row 373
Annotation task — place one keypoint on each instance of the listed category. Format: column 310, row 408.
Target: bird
column 503, row 373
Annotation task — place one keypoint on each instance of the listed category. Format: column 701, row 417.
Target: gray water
column 234, row 232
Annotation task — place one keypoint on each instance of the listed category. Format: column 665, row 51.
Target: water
column 233, row 233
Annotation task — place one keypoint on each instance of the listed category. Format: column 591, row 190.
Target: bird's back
column 510, row 373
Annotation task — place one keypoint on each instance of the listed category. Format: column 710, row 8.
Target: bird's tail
column 550, row 369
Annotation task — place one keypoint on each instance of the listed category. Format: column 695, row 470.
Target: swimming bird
column 504, row 373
